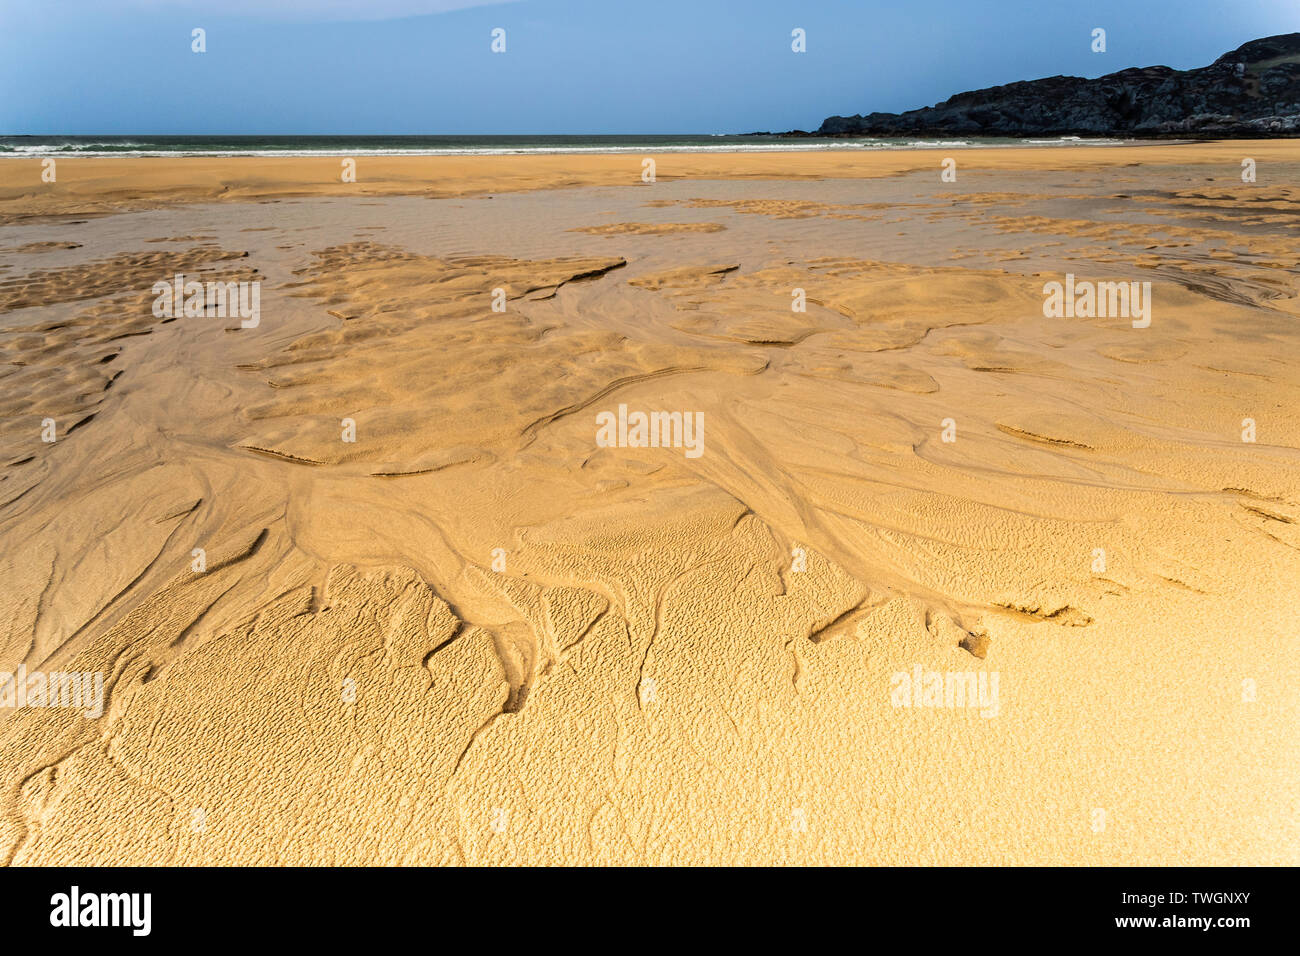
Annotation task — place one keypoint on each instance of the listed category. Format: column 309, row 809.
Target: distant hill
column 1252, row 91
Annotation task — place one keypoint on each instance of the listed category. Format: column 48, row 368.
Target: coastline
column 99, row 185
column 153, row 147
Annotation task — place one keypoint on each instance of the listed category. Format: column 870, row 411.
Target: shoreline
column 787, row 144
column 96, row 186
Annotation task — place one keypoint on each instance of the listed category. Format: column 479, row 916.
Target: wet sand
column 439, row 621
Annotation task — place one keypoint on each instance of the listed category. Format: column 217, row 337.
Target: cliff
column 1252, row 91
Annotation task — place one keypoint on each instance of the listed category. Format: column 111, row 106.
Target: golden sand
column 476, row 634
column 100, row 185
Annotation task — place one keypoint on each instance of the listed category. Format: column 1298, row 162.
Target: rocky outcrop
column 1252, row 91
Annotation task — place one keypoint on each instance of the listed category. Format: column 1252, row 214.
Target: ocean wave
column 150, row 150
column 50, row 149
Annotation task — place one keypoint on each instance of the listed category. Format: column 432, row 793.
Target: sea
column 38, row 146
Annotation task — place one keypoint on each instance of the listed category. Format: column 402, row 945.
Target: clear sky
column 570, row 66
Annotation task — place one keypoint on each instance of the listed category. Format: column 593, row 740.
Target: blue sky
column 571, row 66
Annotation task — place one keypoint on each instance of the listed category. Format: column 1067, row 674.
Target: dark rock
column 1252, row 91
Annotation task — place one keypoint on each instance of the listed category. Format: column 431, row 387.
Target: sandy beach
column 388, row 570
